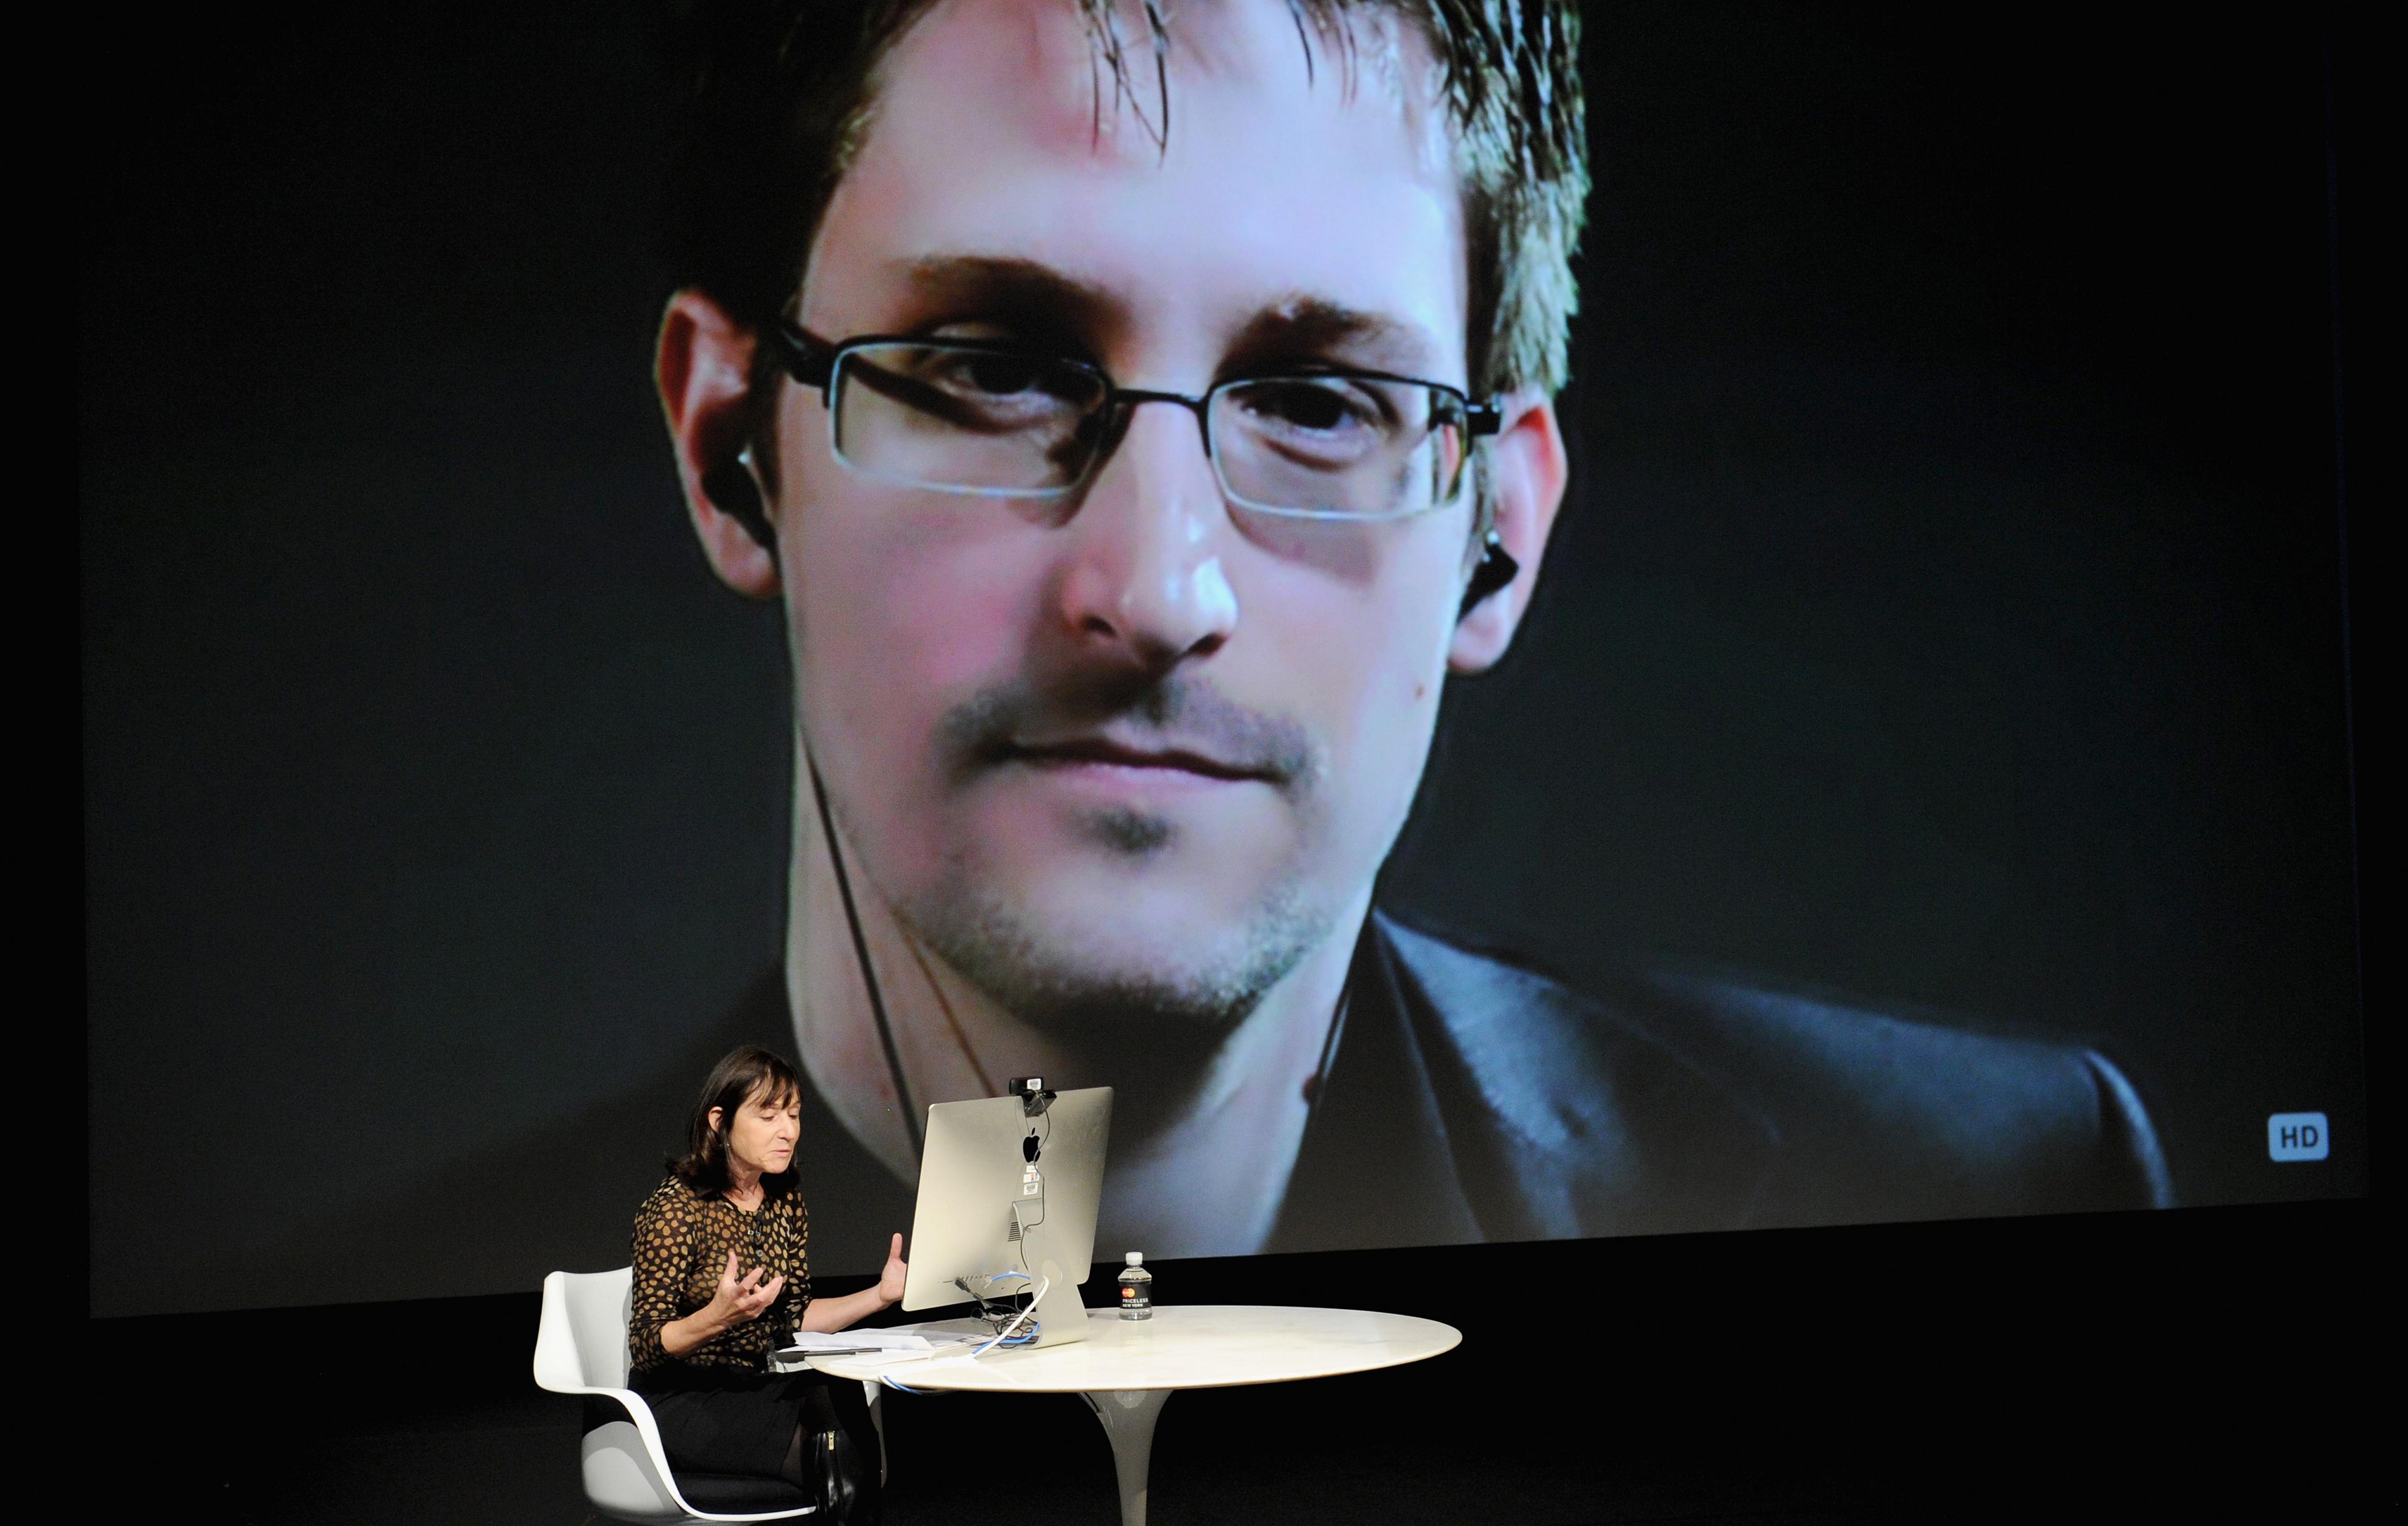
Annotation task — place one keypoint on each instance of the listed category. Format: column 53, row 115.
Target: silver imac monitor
column 1010, row 1185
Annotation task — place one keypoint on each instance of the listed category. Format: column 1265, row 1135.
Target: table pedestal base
column 1128, row 1415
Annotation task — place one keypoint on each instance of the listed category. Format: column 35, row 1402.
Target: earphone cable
column 861, row 957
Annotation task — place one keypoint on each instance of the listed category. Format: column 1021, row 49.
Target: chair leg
column 875, row 1392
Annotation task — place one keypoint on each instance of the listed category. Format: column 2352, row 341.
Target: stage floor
column 2159, row 1366
column 1262, row 1457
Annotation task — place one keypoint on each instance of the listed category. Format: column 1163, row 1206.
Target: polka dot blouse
column 680, row 1247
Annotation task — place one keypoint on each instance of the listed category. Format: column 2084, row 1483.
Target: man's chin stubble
column 1129, row 833
column 1164, row 1013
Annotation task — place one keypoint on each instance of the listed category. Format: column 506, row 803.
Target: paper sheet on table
column 950, row 1354
column 808, row 1342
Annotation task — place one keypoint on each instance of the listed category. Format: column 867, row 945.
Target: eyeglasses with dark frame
column 999, row 419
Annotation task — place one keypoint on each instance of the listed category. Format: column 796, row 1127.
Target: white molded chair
column 582, row 1347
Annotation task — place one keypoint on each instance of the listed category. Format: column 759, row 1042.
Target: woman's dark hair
column 741, row 1075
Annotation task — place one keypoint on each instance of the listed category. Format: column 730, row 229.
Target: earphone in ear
column 736, row 492
column 1496, row 569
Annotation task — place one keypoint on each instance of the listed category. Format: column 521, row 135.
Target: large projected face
column 1933, row 575
column 1135, row 748
column 1119, row 677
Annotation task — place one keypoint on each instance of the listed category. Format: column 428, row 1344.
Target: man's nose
column 1144, row 577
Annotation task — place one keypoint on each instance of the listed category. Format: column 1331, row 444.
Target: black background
column 2197, row 1365
column 1947, row 613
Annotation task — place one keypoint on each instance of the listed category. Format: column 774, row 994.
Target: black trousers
column 716, row 1420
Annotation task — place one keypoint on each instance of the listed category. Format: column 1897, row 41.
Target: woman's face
column 761, row 1137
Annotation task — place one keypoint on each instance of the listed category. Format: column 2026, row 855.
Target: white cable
column 1018, row 1319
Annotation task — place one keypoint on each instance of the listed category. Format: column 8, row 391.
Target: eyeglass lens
column 976, row 421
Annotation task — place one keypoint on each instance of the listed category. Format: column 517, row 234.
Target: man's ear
column 1527, row 474
column 703, row 369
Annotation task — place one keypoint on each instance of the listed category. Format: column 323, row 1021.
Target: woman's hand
column 737, row 1300
column 832, row 1314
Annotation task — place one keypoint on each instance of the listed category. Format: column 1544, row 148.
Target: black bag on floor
column 850, row 1489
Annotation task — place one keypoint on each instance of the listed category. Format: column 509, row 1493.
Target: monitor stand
column 1060, row 1317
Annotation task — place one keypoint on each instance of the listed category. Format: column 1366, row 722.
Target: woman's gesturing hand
column 832, row 1314
column 737, row 1300
column 737, row 1303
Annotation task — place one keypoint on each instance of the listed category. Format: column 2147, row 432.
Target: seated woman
column 721, row 1278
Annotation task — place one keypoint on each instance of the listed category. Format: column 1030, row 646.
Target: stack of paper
column 812, row 1342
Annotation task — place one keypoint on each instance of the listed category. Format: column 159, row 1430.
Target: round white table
column 1126, row 1368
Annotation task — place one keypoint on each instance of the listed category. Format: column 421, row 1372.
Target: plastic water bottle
column 1137, row 1289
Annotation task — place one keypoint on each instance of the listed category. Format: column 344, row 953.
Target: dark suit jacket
column 1468, row 1099
column 1475, row 1100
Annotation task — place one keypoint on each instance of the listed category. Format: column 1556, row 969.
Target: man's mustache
column 1173, row 714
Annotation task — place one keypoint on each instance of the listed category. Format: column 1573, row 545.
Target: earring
column 1495, row 570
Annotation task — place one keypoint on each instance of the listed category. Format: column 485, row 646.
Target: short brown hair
column 774, row 98
column 742, row 1074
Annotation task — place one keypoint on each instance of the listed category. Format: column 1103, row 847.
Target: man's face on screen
column 1135, row 750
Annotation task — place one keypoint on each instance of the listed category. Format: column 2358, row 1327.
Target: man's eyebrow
column 1300, row 326
column 978, row 285
column 1306, row 327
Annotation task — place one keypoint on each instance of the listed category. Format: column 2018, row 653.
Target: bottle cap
column 1136, row 1258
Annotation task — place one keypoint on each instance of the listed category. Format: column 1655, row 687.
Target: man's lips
column 1103, row 752
column 1125, row 730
